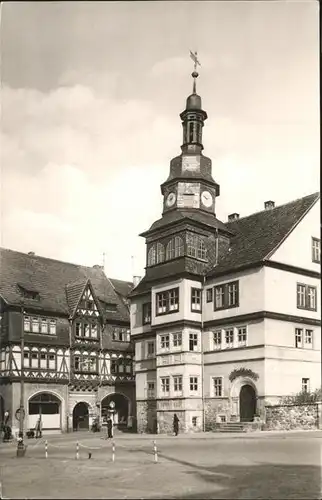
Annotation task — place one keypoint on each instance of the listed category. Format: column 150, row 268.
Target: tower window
column 152, row 256
column 175, row 248
column 160, row 253
column 196, row 247
column 190, row 131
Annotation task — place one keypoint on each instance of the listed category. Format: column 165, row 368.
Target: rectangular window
column 35, row 325
column 177, row 383
column 226, row 295
column 193, row 384
column 151, row 390
column 34, row 359
column 308, row 339
column 174, row 299
column 165, row 386
column 78, row 329
column 167, row 302
column 217, row 339
column 150, row 349
column 43, row 360
column 51, row 361
column 165, row 341
column 299, row 337
column 219, row 297
column 196, row 299
column 306, row 297
column 193, row 341
column 113, row 366
column 128, row 366
column 146, row 310
column 86, row 330
column 44, row 325
column 194, row 421
column 27, row 323
column 177, row 339
column 94, row 331
column 242, row 336
column 218, row 387
column 52, row 327
column 316, row 250
column 229, row 338
column 305, row 385
column 209, row 294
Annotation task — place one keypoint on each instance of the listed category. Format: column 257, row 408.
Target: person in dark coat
column 175, row 424
column 109, row 428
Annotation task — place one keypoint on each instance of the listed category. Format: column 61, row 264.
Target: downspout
column 202, row 359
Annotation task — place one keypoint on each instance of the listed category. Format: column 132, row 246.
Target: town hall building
column 227, row 316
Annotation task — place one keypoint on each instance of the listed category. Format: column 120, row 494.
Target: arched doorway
column 247, row 403
column 120, row 411
column 47, row 406
column 81, row 417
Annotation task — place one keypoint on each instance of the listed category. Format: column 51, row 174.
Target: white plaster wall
column 251, row 295
column 283, row 377
column 296, row 250
column 280, row 293
column 282, row 334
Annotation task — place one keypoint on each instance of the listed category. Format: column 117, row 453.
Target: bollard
column 77, row 451
column 46, row 449
column 155, row 449
column 113, row 452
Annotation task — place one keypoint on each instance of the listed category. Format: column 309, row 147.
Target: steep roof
column 58, row 283
column 122, row 287
column 259, row 234
column 176, row 216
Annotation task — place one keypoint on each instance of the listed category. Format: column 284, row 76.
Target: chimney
column 269, row 205
column 31, row 253
column 136, row 280
column 232, row 217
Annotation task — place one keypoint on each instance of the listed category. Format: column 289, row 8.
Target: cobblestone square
column 265, row 465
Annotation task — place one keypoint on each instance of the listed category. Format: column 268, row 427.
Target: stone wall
column 146, row 414
column 165, row 421
column 213, row 409
column 291, row 417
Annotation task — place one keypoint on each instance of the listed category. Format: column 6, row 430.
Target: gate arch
column 81, row 416
column 122, row 409
column 48, row 406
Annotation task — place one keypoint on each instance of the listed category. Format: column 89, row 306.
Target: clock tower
column 190, row 184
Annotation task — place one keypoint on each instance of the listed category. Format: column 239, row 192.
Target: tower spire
column 194, row 74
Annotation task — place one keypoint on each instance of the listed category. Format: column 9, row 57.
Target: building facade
column 227, row 316
column 65, row 332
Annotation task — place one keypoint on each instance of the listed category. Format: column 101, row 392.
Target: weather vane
column 194, row 74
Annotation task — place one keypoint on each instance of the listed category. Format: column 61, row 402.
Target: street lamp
column 21, row 448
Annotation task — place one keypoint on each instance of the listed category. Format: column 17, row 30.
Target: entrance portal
column 121, row 409
column 81, row 417
column 47, row 406
column 247, row 403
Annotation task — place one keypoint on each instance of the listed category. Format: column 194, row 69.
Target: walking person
column 175, row 424
column 109, row 428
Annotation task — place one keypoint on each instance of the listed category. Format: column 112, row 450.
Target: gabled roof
column 122, row 287
column 59, row 283
column 259, row 234
column 175, row 216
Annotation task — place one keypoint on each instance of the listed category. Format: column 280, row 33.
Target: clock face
column 206, row 199
column 171, row 198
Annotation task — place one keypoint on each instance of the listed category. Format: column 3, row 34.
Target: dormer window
column 28, row 292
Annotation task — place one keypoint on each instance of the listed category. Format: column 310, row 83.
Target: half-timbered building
column 65, row 331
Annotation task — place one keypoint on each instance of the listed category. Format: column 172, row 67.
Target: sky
column 90, row 104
